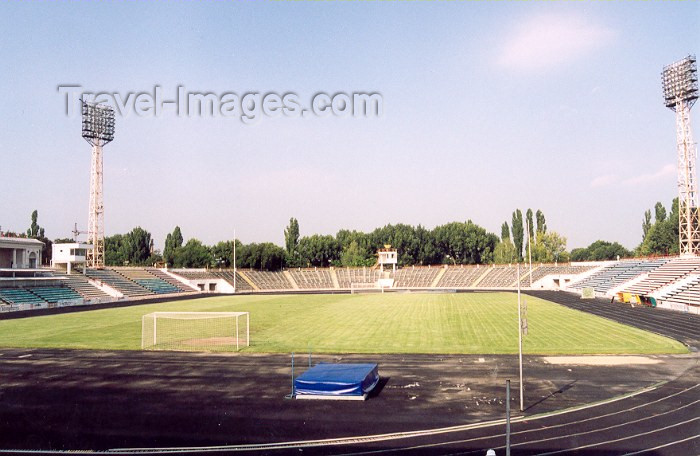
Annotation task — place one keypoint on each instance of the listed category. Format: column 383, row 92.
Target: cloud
column 665, row 171
column 609, row 179
column 549, row 40
column 604, row 180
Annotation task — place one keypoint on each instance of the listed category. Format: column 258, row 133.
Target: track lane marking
column 675, row 442
column 400, row 435
column 641, row 434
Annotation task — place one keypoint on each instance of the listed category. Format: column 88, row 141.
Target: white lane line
column 665, row 445
column 404, row 435
column 641, row 434
column 453, row 442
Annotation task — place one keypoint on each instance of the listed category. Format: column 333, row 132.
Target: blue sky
column 488, row 107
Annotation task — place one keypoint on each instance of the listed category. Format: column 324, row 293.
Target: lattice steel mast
column 98, row 130
column 680, row 84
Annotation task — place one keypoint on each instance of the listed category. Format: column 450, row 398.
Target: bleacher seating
column 460, row 276
column 195, row 274
column 55, row 294
column 20, row 296
column 543, row 271
column 312, row 278
column 665, row 275
column 410, row 277
column 686, row 293
column 118, row 282
column 269, row 280
column 241, row 284
column 166, row 278
column 148, row 281
column 80, row 284
column 618, row 273
column 503, row 276
column 348, row 276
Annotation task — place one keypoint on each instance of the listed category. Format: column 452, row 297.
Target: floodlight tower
column 98, row 130
column 680, row 84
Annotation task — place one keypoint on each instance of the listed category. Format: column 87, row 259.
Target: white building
column 20, row 253
column 69, row 254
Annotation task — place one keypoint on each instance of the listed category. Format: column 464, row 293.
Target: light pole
column 680, row 86
column 98, row 130
column 520, row 344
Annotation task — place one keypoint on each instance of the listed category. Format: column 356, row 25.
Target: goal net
column 364, row 287
column 195, row 331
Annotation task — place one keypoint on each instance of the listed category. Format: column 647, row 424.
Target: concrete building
column 20, row 253
column 68, row 255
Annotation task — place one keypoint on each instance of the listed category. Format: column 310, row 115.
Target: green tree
column 318, row 250
column 659, row 212
column 222, row 254
column 354, row 255
column 35, row 231
column 550, row 247
column 530, row 231
column 541, row 223
column 504, row 252
column 600, row 251
column 518, row 230
column 138, row 245
column 646, row 224
column 193, row 254
column 505, row 232
column 662, row 237
column 116, row 251
column 291, row 241
column 173, row 242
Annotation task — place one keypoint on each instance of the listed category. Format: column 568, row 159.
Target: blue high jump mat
column 337, row 381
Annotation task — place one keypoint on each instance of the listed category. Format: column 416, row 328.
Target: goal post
column 195, row 331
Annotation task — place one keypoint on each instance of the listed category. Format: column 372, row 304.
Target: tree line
column 452, row 243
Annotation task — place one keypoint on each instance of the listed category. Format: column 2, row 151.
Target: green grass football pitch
column 469, row 323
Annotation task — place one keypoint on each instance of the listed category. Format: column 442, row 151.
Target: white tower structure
column 98, row 130
column 680, row 84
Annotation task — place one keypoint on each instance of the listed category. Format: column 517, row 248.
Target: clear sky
column 488, row 107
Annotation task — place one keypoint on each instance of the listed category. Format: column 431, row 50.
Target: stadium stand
column 19, row 296
column 195, row 275
column 148, row 281
column 500, row 277
column 241, row 284
column 460, row 277
column 269, row 280
column 348, row 276
column 543, row 271
column 166, row 278
column 411, row 277
column 665, row 275
column 685, row 291
column 118, row 282
column 81, row 285
column 55, row 294
column 312, row 278
column 618, row 273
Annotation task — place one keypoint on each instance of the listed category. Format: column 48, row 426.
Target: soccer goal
column 195, row 331
column 364, row 287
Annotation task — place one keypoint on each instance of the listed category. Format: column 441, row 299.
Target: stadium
column 409, row 340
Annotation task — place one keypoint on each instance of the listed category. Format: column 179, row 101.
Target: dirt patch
column 600, row 360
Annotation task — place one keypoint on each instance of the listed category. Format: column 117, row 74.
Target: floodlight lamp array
column 98, row 123
column 680, row 82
